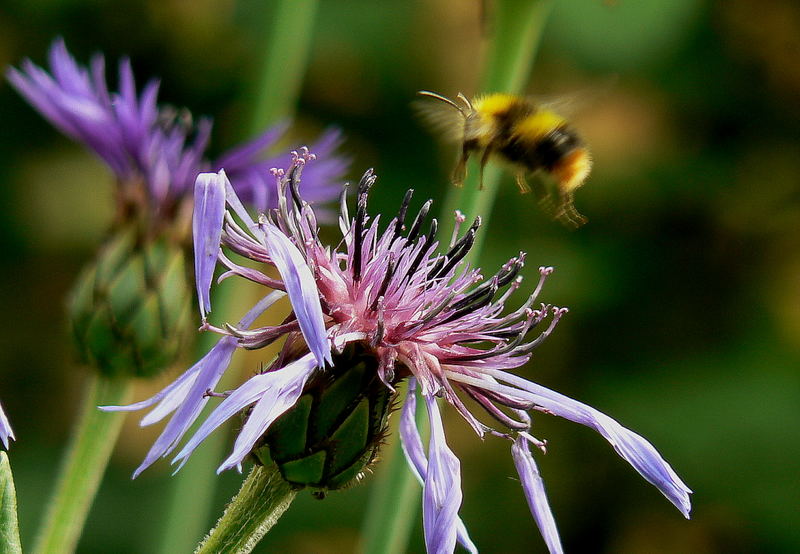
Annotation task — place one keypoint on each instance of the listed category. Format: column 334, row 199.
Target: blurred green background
column 684, row 287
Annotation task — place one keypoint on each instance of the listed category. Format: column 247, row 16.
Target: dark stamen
column 477, row 305
column 401, row 216
column 390, row 267
column 503, row 277
column 380, row 328
column 472, row 229
column 294, row 182
column 454, row 257
column 494, row 411
column 426, row 244
column 343, row 204
column 456, row 252
column 415, row 227
column 510, row 274
column 361, row 216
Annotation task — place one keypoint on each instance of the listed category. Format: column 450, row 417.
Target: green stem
column 287, row 27
column 392, row 508
column 516, row 27
column 83, row 466
column 190, row 496
column 288, row 43
column 261, row 501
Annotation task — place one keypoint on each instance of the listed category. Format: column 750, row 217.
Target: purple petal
column 415, row 454
column 279, row 391
column 442, row 493
column 209, row 213
column 167, row 398
column 209, row 371
column 243, row 156
column 250, row 391
column 635, row 449
column 302, row 290
column 188, row 401
column 533, row 486
column 5, row 428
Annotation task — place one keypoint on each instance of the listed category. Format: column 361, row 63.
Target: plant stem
column 190, row 496
column 287, row 45
column 83, row 466
column 261, row 501
column 287, row 27
column 516, row 27
column 393, row 504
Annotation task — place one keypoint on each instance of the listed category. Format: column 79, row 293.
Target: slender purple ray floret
column 158, row 145
column 5, row 429
column 423, row 315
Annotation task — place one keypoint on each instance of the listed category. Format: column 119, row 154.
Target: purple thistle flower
column 159, row 146
column 421, row 315
column 5, row 429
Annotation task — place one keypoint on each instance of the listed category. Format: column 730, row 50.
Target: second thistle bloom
column 385, row 305
column 130, row 308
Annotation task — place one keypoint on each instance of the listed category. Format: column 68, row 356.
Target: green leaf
column 9, row 526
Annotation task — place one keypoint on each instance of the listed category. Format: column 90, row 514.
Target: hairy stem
column 261, row 501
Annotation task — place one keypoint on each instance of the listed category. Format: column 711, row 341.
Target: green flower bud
column 130, row 309
column 333, row 433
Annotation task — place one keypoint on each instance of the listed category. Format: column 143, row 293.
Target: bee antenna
column 447, row 100
column 466, row 102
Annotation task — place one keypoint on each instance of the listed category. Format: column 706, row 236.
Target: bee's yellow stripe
column 494, row 104
column 538, row 124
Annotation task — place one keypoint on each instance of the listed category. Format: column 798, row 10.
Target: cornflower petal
column 209, row 369
column 635, row 449
column 533, row 486
column 280, row 390
column 244, row 156
column 167, row 398
column 203, row 376
column 209, row 213
column 415, row 455
column 302, row 290
column 442, row 493
column 278, row 387
column 5, row 429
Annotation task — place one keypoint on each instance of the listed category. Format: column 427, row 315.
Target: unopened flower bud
column 130, row 310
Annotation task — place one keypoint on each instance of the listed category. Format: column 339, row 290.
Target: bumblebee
column 526, row 135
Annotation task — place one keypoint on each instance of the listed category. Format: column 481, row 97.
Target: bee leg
column 484, row 160
column 543, row 196
column 460, row 171
column 567, row 214
column 522, row 184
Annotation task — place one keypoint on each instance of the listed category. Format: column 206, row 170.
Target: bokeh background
column 684, row 288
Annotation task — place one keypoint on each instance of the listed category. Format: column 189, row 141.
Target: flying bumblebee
column 528, row 136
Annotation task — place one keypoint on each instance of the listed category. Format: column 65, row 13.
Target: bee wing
column 441, row 118
column 575, row 102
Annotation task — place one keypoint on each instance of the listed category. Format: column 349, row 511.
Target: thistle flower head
column 129, row 309
column 5, row 428
column 155, row 152
column 416, row 312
